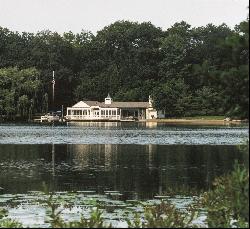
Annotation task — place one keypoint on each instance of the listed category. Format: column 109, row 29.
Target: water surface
column 122, row 133
column 137, row 171
column 119, row 167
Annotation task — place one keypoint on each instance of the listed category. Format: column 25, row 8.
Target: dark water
column 137, row 171
column 141, row 159
column 89, row 163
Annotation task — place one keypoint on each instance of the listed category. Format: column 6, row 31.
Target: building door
column 96, row 112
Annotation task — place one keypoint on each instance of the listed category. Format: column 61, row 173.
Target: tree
column 206, row 101
column 175, row 49
column 191, row 71
column 173, row 97
column 17, row 88
column 23, row 106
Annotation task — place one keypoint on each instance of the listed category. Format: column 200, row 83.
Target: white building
column 110, row 110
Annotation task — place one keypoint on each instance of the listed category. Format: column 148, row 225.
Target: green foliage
column 23, row 105
column 3, row 213
column 19, row 89
column 227, row 204
column 94, row 221
column 182, row 190
column 206, row 101
column 7, row 223
column 190, row 71
column 164, row 215
column 173, row 97
column 175, row 49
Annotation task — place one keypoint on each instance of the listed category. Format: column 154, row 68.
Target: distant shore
column 203, row 120
column 198, row 121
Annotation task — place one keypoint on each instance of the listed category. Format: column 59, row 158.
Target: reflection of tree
column 53, row 159
column 148, row 169
column 23, row 167
column 140, row 170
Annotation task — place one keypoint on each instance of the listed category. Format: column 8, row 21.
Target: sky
column 93, row 15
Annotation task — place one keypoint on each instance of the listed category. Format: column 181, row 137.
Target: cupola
column 108, row 100
column 150, row 101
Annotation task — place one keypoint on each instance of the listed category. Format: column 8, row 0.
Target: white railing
column 93, row 117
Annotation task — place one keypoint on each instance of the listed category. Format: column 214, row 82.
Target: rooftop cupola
column 150, row 101
column 108, row 100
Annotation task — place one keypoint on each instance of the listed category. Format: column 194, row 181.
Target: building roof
column 92, row 103
column 127, row 105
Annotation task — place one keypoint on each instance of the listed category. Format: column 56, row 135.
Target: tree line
column 188, row 71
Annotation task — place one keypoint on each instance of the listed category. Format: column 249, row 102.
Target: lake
column 122, row 133
column 110, row 163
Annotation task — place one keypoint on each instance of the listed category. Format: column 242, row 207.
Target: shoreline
column 197, row 121
column 171, row 121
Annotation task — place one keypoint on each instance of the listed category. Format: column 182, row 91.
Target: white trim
column 81, row 104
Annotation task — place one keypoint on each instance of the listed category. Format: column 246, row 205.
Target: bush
column 7, row 223
column 227, row 204
column 164, row 215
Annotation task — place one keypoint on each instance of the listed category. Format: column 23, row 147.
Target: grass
column 205, row 118
column 197, row 120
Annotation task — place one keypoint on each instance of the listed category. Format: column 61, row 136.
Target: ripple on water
column 163, row 135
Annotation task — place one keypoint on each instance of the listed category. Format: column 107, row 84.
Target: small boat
column 50, row 117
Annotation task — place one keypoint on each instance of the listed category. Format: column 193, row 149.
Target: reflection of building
column 110, row 110
column 151, row 124
column 143, row 170
column 137, row 171
column 110, row 155
column 90, row 156
column 151, row 149
column 86, row 156
column 127, row 168
column 94, row 124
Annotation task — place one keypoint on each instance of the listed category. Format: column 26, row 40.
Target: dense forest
column 188, row 71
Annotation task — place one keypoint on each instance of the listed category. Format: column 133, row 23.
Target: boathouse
column 110, row 110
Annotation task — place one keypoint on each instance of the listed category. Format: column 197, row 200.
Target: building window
column 102, row 112
column 113, row 112
column 118, row 111
column 109, row 112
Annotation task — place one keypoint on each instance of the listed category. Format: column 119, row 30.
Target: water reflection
column 94, row 124
column 138, row 171
column 154, row 124
column 126, row 125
